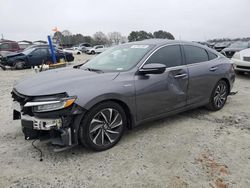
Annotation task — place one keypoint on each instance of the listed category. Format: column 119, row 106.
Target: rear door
column 157, row 94
column 202, row 67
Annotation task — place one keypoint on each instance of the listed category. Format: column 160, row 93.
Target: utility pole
column 2, row 36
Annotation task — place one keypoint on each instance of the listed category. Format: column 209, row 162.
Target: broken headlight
column 44, row 106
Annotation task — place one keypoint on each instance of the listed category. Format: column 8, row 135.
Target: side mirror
column 153, row 68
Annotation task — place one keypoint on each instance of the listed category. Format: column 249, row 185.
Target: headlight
column 236, row 56
column 44, row 106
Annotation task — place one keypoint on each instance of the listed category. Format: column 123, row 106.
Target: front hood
column 9, row 54
column 232, row 49
column 62, row 80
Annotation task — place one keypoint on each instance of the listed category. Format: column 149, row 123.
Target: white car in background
column 74, row 51
column 96, row 49
column 241, row 61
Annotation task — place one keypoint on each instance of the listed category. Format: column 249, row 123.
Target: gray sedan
column 123, row 87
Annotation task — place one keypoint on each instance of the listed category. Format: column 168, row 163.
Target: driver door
column 157, row 94
column 38, row 56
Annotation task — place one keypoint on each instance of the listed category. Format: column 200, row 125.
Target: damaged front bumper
column 59, row 126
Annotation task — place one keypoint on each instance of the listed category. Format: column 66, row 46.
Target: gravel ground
column 197, row 148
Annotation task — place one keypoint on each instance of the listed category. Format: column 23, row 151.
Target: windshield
column 119, row 58
column 239, row 45
column 28, row 51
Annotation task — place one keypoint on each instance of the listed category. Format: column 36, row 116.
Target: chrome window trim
column 181, row 45
column 157, row 50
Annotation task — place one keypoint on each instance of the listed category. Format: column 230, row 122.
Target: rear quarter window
column 211, row 55
column 195, row 54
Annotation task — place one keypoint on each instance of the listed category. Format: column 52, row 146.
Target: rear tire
column 19, row 65
column 103, row 126
column 93, row 52
column 219, row 96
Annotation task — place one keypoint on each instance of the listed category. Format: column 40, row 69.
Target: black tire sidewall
column 85, row 123
column 212, row 102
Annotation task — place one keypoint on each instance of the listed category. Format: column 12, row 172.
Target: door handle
column 180, row 75
column 213, row 68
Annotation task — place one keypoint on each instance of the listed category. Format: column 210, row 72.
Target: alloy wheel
column 220, row 95
column 106, row 127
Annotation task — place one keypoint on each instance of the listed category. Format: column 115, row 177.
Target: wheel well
column 19, row 60
column 228, row 84
column 126, row 110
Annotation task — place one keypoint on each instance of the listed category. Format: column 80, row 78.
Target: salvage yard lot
column 197, row 148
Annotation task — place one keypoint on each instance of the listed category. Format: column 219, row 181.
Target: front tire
column 219, row 96
column 19, row 65
column 103, row 126
column 93, row 52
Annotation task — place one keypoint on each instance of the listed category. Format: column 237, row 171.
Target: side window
column 169, row 55
column 36, row 52
column 195, row 54
column 40, row 52
column 44, row 51
column 211, row 55
column 5, row 46
column 14, row 46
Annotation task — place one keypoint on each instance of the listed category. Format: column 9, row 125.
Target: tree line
column 66, row 38
column 228, row 39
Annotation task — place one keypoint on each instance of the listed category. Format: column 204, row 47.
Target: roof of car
column 160, row 42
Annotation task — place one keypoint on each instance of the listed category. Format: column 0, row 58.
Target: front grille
column 230, row 54
column 243, row 67
column 246, row 59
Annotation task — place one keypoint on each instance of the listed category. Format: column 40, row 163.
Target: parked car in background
column 121, row 88
column 82, row 46
column 84, row 49
column 41, row 45
column 10, row 46
column 32, row 57
column 235, row 47
column 96, row 49
column 241, row 61
column 73, row 50
column 221, row 45
column 24, row 44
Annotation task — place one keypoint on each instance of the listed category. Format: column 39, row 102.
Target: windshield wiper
column 94, row 70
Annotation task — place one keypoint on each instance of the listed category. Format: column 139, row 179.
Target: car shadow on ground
column 245, row 76
column 139, row 131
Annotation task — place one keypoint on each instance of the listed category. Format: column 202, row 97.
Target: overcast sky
column 185, row 19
